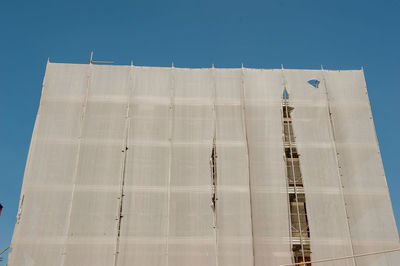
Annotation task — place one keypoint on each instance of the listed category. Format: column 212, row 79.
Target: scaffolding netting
column 155, row 166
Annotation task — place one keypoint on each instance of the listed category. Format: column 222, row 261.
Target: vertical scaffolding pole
column 170, row 153
column 332, row 131
column 244, row 125
column 83, row 116
column 123, row 165
column 288, row 141
column 286, row 105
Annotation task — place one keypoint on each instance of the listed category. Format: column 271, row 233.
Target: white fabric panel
column 263, row 95
column 152, row 83
column 143, row 239
column 235, row 242
column 193, row 85
column 57, row 126
column 95, row 198
column 66, row 82
column 46, row 193
column 38, row 238
column 36, row 253
column 329, row 232
column 372, row 225
column 148, row 132
column 190, row 234
column 143, row 230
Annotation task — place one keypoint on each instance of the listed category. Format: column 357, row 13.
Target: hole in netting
column 285, row 94
column 314, row 83
column 213, row 164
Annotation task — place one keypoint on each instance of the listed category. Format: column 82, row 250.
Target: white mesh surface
column 270, row 217
column 190, row 232
column 119, row 172
column 234, row 239
column 372, row 225
column 46, row 195
column 329, row 231
column 145, row 208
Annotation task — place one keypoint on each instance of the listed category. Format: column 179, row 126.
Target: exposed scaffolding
column 300, row 233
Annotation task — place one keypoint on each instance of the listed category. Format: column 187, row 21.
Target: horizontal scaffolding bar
column 341, row 258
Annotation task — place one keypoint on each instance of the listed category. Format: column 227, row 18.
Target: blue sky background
column 264, row 34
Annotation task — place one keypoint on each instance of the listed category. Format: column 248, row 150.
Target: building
column 154, row 166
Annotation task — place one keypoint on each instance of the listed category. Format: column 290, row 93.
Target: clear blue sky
column 265, row 34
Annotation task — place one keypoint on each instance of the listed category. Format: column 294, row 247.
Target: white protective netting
column 190, row 234
column 143, row 237
column 329, row 231
column 92, row 224
column 119, row 171
column 233, row 214
column 372, row 224
column 270, row 217
column 39, row 235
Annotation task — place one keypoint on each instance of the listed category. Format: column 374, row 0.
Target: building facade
column 155, row 166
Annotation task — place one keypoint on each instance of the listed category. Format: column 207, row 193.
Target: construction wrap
column 326, row 212
column 154, row 166
column 371, row 220
column 269, row 199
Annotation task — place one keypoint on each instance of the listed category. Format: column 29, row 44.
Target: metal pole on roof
column 91, row 61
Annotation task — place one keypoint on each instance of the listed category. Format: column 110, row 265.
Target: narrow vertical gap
column 213, row 166
column 332, row 129
column 300, row 234
column 123, row 167
column 121, row 200
column 213, row 162
column 75, row 174
column 244, row 128
column 285, row 96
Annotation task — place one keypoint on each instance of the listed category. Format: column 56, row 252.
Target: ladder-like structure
column 300, row 234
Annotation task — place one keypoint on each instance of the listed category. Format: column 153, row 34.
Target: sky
column 261, row 34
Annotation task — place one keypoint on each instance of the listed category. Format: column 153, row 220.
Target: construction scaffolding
column 300, row 233
column 165, row 166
